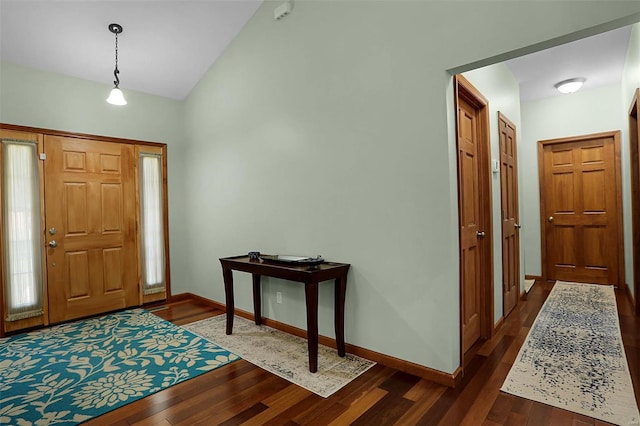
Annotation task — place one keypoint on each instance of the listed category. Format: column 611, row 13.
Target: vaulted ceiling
column 167, row 46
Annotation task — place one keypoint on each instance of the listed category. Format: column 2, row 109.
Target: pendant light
column 116, row 97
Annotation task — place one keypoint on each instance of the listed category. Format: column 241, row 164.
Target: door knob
column 53, row 244
column 480, row 234
column 517, row 226
column 550, row 219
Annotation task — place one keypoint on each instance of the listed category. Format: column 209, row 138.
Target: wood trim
column 463, row 89
column 533, row 277
column 543, row 234
column 446, row 379
column 615, row 134
column 43, row 238
column 498, row 325
column 62, row 133
column 2, row 292
column 634, row 159
column 620, row 206
column 503, row 117
column 136, row 180
column 165, row 187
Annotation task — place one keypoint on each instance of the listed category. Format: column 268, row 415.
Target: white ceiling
column 168, row 45
column 165, row 48
column 599, row 59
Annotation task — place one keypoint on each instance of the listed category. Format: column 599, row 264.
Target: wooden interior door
column 469, row 223
column 474, row 204
column 90, row 227
column 634, row 150
column 581, row 208
column 510, row 221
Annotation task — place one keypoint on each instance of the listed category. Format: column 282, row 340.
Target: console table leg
column 311, row 293
column 340, row 291
column 257, row 299
column 227, row 274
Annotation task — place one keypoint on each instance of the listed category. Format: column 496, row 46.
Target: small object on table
column 254, row 255
column 292, row 260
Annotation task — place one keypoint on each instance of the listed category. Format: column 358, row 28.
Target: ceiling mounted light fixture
column 571, row 85
column 116, row 97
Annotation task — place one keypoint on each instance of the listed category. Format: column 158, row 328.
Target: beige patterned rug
column 573, row 357
column 528, row 284
column 283, row 354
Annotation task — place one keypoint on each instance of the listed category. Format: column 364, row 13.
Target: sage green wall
column 498, row 85
column 630, row 83
column 34, row 98
column 631, row 73
column 580, row 113
column 331, row 132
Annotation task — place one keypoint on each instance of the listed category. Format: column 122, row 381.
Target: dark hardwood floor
column 240, row 393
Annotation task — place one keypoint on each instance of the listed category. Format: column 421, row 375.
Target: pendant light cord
column 116, row 71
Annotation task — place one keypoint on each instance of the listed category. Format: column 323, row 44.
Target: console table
column 310, row 276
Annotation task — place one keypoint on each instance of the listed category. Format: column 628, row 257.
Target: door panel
column 90, row 201
column 580, row 206
column 470, row 218
column 510, row 214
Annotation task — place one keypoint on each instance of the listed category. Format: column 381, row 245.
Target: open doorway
column 634, row 159
column 600, row 95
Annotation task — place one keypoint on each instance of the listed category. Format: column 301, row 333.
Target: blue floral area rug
column 573, row 357
column 67, row 374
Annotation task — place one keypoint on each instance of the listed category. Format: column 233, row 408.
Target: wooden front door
column 581, row 208
column 90, row 227
column 510, row 221
column 474, row 203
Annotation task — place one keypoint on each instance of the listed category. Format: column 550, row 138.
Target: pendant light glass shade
column 116, row 97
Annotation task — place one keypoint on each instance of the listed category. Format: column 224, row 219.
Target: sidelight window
column 22, row 263
column 152, row 223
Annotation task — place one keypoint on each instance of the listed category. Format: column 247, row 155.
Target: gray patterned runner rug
column 283, row 354
column 573, row 357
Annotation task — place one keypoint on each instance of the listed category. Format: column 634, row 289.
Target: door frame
column 634, row 159
column 615, row 134
column 465, row 90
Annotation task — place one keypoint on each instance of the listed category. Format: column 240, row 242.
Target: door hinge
column 43, row 156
